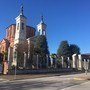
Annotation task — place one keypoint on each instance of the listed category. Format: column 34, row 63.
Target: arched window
column 39, row 32
column 17, row 26
column 22, row 26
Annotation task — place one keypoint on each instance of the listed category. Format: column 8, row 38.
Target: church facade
column 20, row 34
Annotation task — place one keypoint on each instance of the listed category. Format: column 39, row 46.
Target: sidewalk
column 83, row 86
column 3, row 80
column 26, row 76
column 31, row 76
column 84, row 76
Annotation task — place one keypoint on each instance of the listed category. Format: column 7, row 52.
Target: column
column 24, row 65
column 55, row 61
column 51, row 61
column 88, row 63
column 74, row 61
column 62, row 61
column 10, row 57
column 68, row 62
column 15, row 56
column 37, row 61
column 79, row 62
column 28, row 48
column 85, row 64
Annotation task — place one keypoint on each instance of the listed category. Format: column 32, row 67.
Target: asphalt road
column 44, row 83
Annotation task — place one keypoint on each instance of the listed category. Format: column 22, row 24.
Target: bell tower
column 41, row 27
column 20, row 34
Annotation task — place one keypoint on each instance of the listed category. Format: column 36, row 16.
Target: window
column 17, row 26
column 22, row 26
column 39, row 32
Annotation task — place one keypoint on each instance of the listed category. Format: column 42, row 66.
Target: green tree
column 21, row 48
column 67, row 50
column 4, row 55
column 53, row 55
column 1, row 57
column 74, row 49
column 41, row 48
column 64, row 51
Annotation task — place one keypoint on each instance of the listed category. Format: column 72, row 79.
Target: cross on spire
column 21, row 10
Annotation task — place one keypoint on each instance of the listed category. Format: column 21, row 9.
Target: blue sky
column 66, row 20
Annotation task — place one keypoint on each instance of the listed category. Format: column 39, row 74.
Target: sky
column 65, row 19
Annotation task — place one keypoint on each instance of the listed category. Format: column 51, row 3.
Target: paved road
column 45, row 83
column 83, row 86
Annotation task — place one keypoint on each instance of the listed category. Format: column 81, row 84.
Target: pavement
column 83, row 86
column 82, row 76
column 25, row 76
column 77, row 77
column 32, row 76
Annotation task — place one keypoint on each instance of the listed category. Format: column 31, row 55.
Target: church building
column 20, row 36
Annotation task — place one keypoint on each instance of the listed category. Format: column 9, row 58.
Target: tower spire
column 21, row 10
column 41, row 27
column 42, row 19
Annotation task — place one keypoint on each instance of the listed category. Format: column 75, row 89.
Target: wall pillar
column 74, row 61
column 37, row 61
column 55, row 62
column 5, row 71
column 68, row 62
column 62, row 61
column 51, row 61
column 15, row 56
column 25, row 58
column 79, row 62
column 10, row 57
column 28, row 48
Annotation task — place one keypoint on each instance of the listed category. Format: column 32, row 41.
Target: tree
column 64, row 51
column 1, row 57
column 21, row 48
column 54, row 57
column 67, row 50
column 4, row 55
column 41, row 48
column 74, row 49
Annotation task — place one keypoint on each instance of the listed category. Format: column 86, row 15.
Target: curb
column 81, row 78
